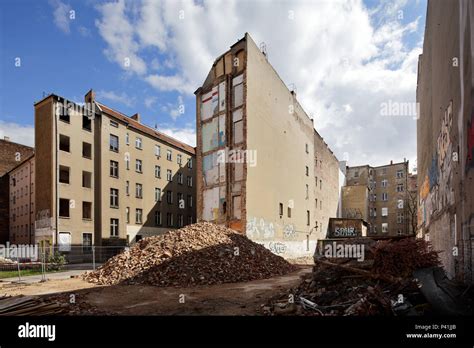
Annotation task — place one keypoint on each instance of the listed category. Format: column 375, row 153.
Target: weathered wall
column 355, row 202
column 445, row 135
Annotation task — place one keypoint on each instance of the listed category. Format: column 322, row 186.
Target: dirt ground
column 225, row 299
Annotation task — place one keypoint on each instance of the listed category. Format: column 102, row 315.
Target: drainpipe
column 57, row 174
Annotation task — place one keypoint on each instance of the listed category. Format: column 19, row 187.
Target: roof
column 21, row 163
column 145, row 129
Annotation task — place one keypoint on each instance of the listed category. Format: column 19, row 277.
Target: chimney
column 90, row 96
column 391, row 162
column 6, row 138
column 136, row 117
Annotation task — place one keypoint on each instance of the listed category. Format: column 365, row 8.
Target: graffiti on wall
column 289, row 231
column 259, row 228
column 277, row 248
column 470, row 144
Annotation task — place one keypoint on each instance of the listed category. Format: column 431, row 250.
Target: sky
column 349, row 61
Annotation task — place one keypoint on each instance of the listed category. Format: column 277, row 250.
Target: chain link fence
column 34, row 260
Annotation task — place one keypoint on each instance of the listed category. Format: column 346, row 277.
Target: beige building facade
column 22, row 203
column 258, row 156
column 378, row 195
column 106, row 179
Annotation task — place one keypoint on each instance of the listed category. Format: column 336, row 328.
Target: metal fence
column 21, row 262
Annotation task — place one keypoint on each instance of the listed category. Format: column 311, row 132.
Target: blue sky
column 171, row 56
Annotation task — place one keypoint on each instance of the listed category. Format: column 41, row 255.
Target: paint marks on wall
column 259, row 228
column 210, row 210
column 222, row 96
column 210, row 135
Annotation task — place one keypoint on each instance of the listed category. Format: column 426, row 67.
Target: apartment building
column 445, row 136
column 104, row 178
column 261, row 167
column 11, row 155
column 379, row 196
column 22, row 202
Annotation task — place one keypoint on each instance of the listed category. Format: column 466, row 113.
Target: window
column 64, row 114
column 316, row 184
column 384, row 211
column 179, row 159
column 114, row 203
column 280, row 210
column 356, row 174
column 114, row 124
column 190, row 181
column 320, row 204
column 320, row 184
column 385, row 196
column 127, row 139
column 87, row 210
column 190, row 163
column 127, row 214
column 238, row 91
column 157, row 218
column 64, row 241
column 307, row 171
column 157, row 172
column 289, row 212
column 157, row 194
column 399, row 174
column 180, row 178
column 190, row 219
column 307, row 148
column 86, row 123
column 138, row 216
column 307, row 218
column 114, row 227
column 169, row 175
column 64, row 207
column 384, row 183
column 169, row 155
column 373, row 212
column 157, row 150
column 169, row 219
column 400, row 204
column 374, row 197
column 190, row 201
column 114, row 143
column 399, row 232
column 180, row 220
column 384, row 171
column 127, row 188
column 87, row 242
column 400, row 218
column 307, row 191
column 384, row 227
column 138, row 191
column 114, row 169
column 138, row 166
column 138, row 143
column 86, row 150
column 127, row 161
column 399, row 187
column 13, row 182
column 64, row 143
column 169, row 197
column 180, row 200
column 64, row 174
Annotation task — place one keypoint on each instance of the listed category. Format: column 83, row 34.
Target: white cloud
column 85, row 32
column 150, row 101
column 18, row 133
column 345, row 59
column 186, row 135
column 61, row 15
column 121, row 98
column 175, row 110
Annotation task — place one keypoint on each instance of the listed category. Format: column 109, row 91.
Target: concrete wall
column 445, row 135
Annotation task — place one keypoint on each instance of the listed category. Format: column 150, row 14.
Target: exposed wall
column 445, row 135
column 355, row 202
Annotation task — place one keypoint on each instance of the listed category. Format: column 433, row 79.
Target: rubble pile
column 198, row 254
column 382, row 284
column 4, row 261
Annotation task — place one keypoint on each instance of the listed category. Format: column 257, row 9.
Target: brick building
column 262, row 168
column 11, row 155
column 104, row 178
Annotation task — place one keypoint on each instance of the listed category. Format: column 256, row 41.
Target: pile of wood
column 198, row 254
column 382, row 284
column 28, row 305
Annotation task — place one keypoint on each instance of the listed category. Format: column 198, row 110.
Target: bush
column 56, row 262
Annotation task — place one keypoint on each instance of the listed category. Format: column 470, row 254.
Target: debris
column 27, row 305
column 382, row 284
column 198, row 254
